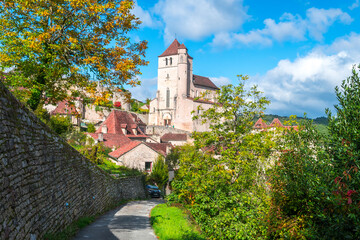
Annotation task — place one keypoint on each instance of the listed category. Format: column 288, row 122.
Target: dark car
column 153, row 191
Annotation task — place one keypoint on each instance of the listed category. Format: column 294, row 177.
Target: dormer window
column 170, row 61
column 166, row 61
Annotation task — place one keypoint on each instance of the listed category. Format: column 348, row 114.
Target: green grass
column 123, row 171
column 171, row 223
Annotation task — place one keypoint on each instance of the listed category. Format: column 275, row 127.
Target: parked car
column 153, row 191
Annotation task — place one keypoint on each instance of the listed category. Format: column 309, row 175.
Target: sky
column 295, row 51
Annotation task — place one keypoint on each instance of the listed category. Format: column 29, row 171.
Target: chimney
column 104, row 129
column 100, row 137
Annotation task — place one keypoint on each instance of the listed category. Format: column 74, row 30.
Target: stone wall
column 44, row 183
column 161, row 130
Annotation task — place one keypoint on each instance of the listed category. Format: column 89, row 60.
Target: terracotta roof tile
column 111, row 140
column 64, row 107
column 204, row 82
column 117, row 120
column 182, row 46
column 124, row 149
column 159, row 147
column 173, row 137
column 172, row 49
column 260, row 124
column 276, row 123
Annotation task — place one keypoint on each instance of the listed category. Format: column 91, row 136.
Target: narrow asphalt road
column 129, row 222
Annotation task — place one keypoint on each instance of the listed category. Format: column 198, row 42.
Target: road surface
column 129, row 222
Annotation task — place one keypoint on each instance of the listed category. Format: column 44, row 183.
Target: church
column 180, row 92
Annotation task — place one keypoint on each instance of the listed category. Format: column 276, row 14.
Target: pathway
column 129, row 222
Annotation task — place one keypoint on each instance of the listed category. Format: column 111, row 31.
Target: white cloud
column 289, row 28
column 198, row 19
column 354, row 5
column 319, row 20
column 220, row 81
column 307, row 83
column 147, row 89
column 147, row 19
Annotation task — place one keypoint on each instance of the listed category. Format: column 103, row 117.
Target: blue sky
column 295, row 51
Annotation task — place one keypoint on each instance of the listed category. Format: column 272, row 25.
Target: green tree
column 221, row 180
column 91, row 128
column 160, row 173
column 300, row 184
column 172, row 159
column 61, row 125
column 51, row 48
column 344, row 127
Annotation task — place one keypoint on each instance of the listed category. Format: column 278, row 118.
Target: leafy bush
column 299, row 184
column 60, row 124
column 159, row 173
column 91, row 128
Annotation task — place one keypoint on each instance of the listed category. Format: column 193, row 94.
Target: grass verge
column 171, row 223
column 122, row 171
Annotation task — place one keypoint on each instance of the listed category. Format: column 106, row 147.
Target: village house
column 64, row 108
column 261, row 125
column 140, row 155
column 180, row 92
column 123, row 132
column 120, row 128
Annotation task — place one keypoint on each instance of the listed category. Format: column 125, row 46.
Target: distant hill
column 268, row 118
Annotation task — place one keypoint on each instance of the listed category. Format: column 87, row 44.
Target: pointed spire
column 172, row 49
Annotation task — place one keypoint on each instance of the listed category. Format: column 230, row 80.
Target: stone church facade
column 180, row 92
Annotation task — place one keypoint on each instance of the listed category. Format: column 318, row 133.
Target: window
column 154, row 110
column 148, row 166
column 181, row 59
column 168, row 98
column 166, row 61
column 170, row 61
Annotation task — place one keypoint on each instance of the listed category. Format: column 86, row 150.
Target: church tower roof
column 172, row 49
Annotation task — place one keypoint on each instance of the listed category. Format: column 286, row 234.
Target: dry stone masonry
column 45, row 184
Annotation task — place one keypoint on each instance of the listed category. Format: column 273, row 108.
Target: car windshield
column 152, row 187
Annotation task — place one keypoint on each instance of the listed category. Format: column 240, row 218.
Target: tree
column 160, row 173
column 52, row 48
column 344, row 131
column 221, row 180
column 91, row 128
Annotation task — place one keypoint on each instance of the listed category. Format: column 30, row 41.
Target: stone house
column 119, row 129
column 139, row 155
column 180, row 92
column 64, row 108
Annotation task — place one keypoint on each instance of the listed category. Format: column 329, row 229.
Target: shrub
column 91, row 128
column 61, row 124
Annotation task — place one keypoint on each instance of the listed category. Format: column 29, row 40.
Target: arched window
column 168, row 98
column 171, row 61
column 166, row 61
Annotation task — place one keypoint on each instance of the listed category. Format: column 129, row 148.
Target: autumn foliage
column 68, row 47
